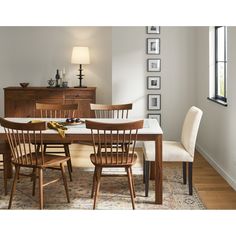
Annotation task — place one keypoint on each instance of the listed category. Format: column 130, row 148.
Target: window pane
column 220, row 44
column 220, row 79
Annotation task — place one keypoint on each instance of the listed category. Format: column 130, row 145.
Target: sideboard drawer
column 50, row 94
column 79, row 94
column 19, row 95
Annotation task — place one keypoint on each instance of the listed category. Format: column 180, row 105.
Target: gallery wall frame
column 153, row 46
column 154, row 65
column 154, row 102
column 153, row 30
column 155, row 116
column 153, row 82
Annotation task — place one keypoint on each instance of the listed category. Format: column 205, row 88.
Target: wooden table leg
column 152, row 170
column 158, row 174
column 7, row 161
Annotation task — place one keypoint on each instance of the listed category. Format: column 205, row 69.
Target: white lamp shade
column 80, row 55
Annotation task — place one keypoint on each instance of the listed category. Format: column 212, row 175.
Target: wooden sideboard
column 20, row 102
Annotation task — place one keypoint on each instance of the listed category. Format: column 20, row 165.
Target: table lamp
column 80, row 56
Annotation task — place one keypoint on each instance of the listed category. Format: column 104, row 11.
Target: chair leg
column 40, row 188
column 34, row 177
column 69, row 164
column 98, row 182
column 38, row 148
column 190, row 174
column 18, row 177
column 65, row 182
column 184, row 173
column 5, row 173
column 94, row 181
column 147, row 175
column 131, row 187
column 144, row 170
column 44, row 148
column 17, row 169
column 132, row 182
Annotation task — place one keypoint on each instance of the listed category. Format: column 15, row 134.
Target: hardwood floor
column 213, row 190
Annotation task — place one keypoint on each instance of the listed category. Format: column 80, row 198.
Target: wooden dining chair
column 113, row 155
column 23, row 139
column 174, row 151
column 58, row 111
column 4, row 150
column 119, row 111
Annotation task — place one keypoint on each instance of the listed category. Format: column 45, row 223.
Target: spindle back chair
column 113, row 136
column 24, row 139
column 58, row 111
column 120, row 111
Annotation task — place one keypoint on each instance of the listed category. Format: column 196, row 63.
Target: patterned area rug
column 114, row 193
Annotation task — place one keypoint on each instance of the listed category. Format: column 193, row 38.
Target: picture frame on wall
column 155, row 116
column 153, row 29
column 153, row 82
column 153, row 65
column 154, row 102
column 153, row 46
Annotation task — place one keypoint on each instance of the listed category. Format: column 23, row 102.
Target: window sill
column 218, row 101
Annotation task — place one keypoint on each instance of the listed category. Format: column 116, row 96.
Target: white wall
column 217, row 134
column 128, row 68
column 177, row 78
column 129, row 74
column 32, row 54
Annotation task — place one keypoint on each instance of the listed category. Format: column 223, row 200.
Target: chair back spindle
column 56, row 110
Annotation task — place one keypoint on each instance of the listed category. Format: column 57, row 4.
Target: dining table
column 151, row 131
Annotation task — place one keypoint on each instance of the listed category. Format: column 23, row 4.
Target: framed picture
column 155, row 116
column 153, row 65
column 154, row 82
column 153, row 46
column 154, row 101
column 153, row 29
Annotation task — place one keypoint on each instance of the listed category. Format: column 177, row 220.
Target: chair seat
column 49, row 160
column 114, row 161
column 172, row 151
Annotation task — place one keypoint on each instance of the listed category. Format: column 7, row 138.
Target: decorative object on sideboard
column 51, row 83
column 80, row 56
column 57, row 77
column 64, row 80
column 24, row 85
column 154, row 101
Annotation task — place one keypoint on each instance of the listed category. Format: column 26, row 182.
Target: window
column 220, row 63
column 218, row 87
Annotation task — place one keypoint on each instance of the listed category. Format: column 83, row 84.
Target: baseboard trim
column 216, row 166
